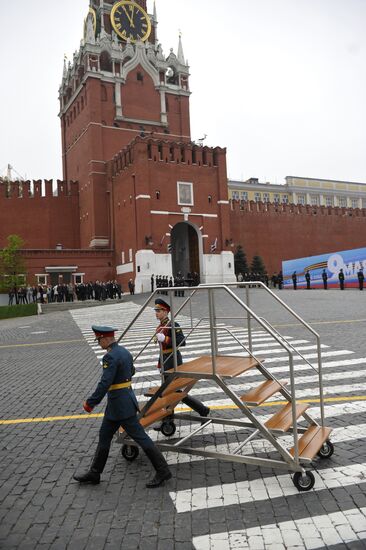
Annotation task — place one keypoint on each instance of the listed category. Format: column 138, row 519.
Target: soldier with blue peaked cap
column 121, row 410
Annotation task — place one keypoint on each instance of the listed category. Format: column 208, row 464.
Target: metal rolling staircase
column 308, row 442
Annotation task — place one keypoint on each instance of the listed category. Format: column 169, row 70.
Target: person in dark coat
column 280, row 280
column 121, row 410
column 325, row 279
column 361, row 278
column 341, row 279
column 294, row 280
column 152, row 283
column 307, row 279
column 163, row 335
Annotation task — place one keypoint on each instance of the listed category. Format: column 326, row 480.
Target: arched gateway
column 186, row 249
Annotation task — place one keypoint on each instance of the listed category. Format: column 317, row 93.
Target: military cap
column 160, row 304
column 103, row 331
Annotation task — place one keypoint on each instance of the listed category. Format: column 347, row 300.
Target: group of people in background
column 161, row 282
column 341, row 279
column 98, row 290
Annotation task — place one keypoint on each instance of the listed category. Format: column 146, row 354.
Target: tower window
column 171, row 153
column 210, row 199
column 140, row 77
column 160, row 149
column 157, row 194
column 149, row 152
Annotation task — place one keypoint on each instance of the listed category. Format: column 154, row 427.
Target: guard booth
column 292, row 438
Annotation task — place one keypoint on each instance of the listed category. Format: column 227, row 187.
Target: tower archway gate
column 294, row 437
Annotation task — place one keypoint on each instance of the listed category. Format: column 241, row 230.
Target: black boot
column 96, row 468
column 196, row 405
column 161, row 466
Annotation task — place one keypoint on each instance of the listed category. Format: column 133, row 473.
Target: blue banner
column 350, row 261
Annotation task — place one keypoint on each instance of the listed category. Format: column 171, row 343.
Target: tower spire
column 155, row 19
column 64, row 74
column 180, row 50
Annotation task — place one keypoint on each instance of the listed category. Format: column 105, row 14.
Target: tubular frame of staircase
column 292, row 462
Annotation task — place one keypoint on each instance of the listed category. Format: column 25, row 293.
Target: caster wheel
column 304, row 482
column 129, row 452
column 168, row 429
column 326, row 450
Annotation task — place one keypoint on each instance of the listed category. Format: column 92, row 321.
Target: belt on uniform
column 166, row 351
column 120, row 386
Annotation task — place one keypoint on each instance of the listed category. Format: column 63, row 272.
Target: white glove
column 160, row 336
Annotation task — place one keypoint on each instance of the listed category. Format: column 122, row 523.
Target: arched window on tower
column 160, row 149
column 106, row 62
column 104, row 95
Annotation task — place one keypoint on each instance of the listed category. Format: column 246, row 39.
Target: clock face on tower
column 130, row 21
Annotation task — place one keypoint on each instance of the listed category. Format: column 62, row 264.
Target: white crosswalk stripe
column 287, row 534
column 281, row 485
column 337, row 366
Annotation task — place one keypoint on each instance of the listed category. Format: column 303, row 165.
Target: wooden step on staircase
column 282, row 420
column 311, row 442
column 162, row 407
column 177, row 384
column 227, row 366
column 257, row 396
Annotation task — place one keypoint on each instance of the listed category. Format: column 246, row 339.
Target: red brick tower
column 121, row 88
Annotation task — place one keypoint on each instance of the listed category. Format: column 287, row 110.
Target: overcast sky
column 280, row 83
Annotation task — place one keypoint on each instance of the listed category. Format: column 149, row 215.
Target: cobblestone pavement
column 50, row 364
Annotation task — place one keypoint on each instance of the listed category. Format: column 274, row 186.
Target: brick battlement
column 35, row 190
column 253, row 207
column 166, row 151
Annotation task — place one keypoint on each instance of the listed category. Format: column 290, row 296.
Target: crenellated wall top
column 43, row 189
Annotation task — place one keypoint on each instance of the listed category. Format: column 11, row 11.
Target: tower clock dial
column 130, row 21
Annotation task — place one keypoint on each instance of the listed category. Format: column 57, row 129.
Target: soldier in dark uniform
column 361, row 278
column 164, row 337
column 294, row 280
column 341, row 279
column 307, row 279
column 280, row 280
column 121, row 410
column 325, row 279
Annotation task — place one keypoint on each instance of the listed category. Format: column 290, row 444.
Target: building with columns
column 297, row 190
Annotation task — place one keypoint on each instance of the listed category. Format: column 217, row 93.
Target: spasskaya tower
column 118, row 92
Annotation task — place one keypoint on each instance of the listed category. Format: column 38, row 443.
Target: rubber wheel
column 129, row 452
column 304, row 482
column 326, row 450
column 168, row 429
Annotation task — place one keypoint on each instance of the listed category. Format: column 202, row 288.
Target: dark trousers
column 341, row 283
column 131, row 426
column 325, row 284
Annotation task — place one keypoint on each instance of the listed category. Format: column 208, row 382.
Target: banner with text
column 350, row 261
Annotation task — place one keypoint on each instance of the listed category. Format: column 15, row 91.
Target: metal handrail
column 261, row 284
column 294, row 314
column 290, row 344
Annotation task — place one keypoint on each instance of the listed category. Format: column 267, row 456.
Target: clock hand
column 128, row 17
